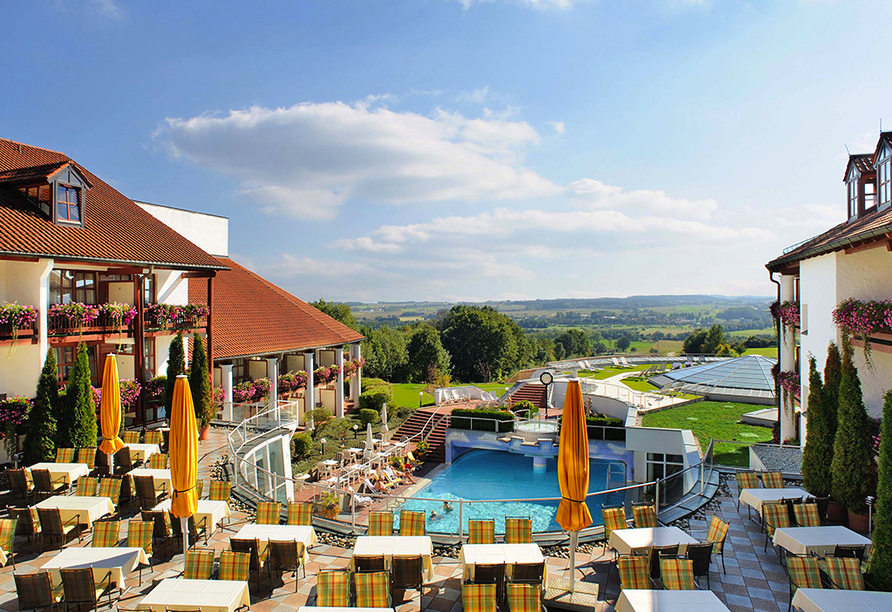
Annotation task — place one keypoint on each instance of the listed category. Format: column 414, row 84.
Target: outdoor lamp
column 420, row 394
column 355, row 430
column 322, row 441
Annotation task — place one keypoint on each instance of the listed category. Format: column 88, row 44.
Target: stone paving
column 755, row 580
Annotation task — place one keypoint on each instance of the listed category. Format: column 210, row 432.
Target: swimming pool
column 486, row 474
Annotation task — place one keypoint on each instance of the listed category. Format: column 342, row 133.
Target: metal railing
column 643, row 400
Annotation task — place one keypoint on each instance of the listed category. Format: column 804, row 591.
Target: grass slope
column 406, row 394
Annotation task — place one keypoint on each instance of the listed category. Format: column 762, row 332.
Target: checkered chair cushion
column 718, row 529
column 677, row 574
column 300, row 513
column 36, row 590
column 199, row 565
column 806, row 515
column 333, row 589
column 614, row 518
column 633, row 572
column 268, row 513
column 411, row 523
column 111, row 488
column 380, row 523
column 154, row 437
column 524, row 598
column 139, row 535
column 481, row 532
column 87, row 486
column 158, row 461
column 235, row 566
column 645, row 516
column 518, row 530
column 87, row 455
column 7, row 534
column 804, row 572
column 64, row 455
column 772, row 480
column 220, row 490
column 747, row 480
column 199, row 488
column 372, row 590
column 478, row 597
column 845, row 573
column 106, row 534
column 775, row 516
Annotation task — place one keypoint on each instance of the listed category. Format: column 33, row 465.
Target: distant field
column 406, row 394
column 769, row 351
column 745, row 333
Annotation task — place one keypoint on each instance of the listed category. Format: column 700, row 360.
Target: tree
column 483, row 343
column 78, row 427
column 575, row 342
column 817, row 456
column 851, row 450
column 740, row 348
column 881, row 558
column 200, row 383
column 832, row 379
column 338, row 311
column 176, row 365
column 715, row 338
column 425, row 353
column 40, row 440
column 693, row 344
column 623, row 343
column 385, row 353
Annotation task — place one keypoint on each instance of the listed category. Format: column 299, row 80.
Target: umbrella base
column 584, row 597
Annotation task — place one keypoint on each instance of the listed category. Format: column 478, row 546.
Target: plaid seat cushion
column 614, row 518
column 110, row 487
column 131, row 436
column 718, row 529
column 807, row 515
column 158, row 461
column 139, row 535
column 677, row 574
column 645, row 516
column 154, row 437
column 300, row 513
column 845, row 573
column 7, row 534
column 804, row 572
column 633, row 572
column 64, row 455
column 380, row 523
column 333, row 589
column 106, row 534
column 524, row 598
column 372, row 590
column 199, row 565
column 775, row 516
column 481, row 532
column 87, row 486
column 411, row 523
column 220, row 490
column 478, row 597
column 518, row 530
column 87, row 455
column 772, row 480
column 234, row 566
column 747, row 480
column 268, row 513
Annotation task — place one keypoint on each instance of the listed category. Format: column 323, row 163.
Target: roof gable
column 861, row 163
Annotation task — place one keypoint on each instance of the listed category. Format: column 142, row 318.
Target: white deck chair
column 616, row 362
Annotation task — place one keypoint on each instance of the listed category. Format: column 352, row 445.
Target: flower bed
column 175, row 316
column 863, row 320
column 129, row 389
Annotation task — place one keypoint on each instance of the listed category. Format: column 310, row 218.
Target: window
column 660, row 466
column 40, row 196
column 65, row 358
column 869, row 194
column 238, row 371
column 853, row 198
column 884, row 188
column 68, row 206
column 67, row 286
column 148, row 353
column 148, row 296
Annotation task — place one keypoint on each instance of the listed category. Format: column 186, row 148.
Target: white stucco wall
column 208, row 232
column 20, row 282
column 817, row 279
column 171, row 287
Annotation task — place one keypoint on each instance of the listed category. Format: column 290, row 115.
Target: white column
column 43, row 306
column 226, row 375
column 310, row 395
column 787, row 362
column 272, row 372
column 339, row 389
column 356, row 381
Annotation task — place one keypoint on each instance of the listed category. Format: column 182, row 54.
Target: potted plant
column 329, row 504
column 421, row 450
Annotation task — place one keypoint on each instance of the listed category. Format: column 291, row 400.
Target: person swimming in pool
column 447, row 507
column 435, row 516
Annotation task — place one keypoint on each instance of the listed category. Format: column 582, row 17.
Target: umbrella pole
column 574, row 540
column 185, row 529
column 111, row 463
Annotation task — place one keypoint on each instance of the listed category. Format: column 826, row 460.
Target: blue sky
column 467, row 150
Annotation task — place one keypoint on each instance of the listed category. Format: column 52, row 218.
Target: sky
column 467, row 149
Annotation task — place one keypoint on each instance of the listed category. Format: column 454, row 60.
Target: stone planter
column 859, row 522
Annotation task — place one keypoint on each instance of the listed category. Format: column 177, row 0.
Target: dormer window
column 853, row 198
column 68, row 207
column 884, row 182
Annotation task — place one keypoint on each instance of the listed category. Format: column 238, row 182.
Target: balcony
column 112, row 321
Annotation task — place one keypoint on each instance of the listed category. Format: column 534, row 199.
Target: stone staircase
column 533, row 392
column 434, row 431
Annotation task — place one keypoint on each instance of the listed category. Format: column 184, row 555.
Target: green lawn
column 638, row 384
column 613, row 371
column 717, row 420
column 769, row 351
column 406, row 394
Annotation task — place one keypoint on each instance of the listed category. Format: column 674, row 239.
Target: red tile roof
column 116, row 229
column 252, row 316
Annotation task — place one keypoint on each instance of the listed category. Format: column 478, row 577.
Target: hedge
column 497, row 420
column 374, row 398
column 605, row 428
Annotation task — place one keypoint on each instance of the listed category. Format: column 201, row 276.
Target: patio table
column 647, row 600
column 265, row 533
column 837, row 600
column 388, row 546
column 204, row 595
column 119, row 561
column 754, row 498
column 818, row 540
column 624, row 541
column 162, row 477
column 142, row 452
column 214, row 511
column 473, row 554
column 69, row 471
column 336, row 609
column 87, row 508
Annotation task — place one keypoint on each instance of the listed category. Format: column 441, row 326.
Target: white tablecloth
column 509, row 554
column 206, row 595
column 142, row 452
column 88, row 509
column 646, row 600
column 69, row 471
column 215, row 511
column 370, row 546
column 119, row 561
column 754, row 498
column 624, row 541
column 160, row 476
column 835, row 600
column 819, row 540
column 265, row 533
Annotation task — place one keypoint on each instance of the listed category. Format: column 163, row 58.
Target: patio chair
column 87, row 486
column 199, row 488
column 45, row 485
column 804, row 573
column 700, row 556
column 28, row 521
column 844, row 573
column 408, row 573
column 853, row 552
column 645, row 516
column 106, row 534
column 380, row 524
column 64, row 455
column 161, row 530
column 613, row 518
column 807, row 515
column 657, row 554
column 524, row 598
column 36, row 591
column 372, row 590
column 100, row 468
column 333, row 588
column 518, row 530
column 286, row 556
column 528, row 573
column 155, row 436
column 677, row 574
column 20, row 483
column 123, row 461
column 491, row 573
column 198, row 565
column 7, row 538
column 159, row 461
column 139, row 535
column 774, row 516
column 52, row 526
column 481, row 531
column 197, row 529
column 823, row 503
column 412, row 523
column 366, row 564
column 234, row 566
column 718, row 531
column 111, row 488
column 478, row 597
column 773, row 480
column 148, row 495
column 258, row 556
column 633, row 572
column 131, row 436
column 300, row 513
column 87, row 455
column 80, row 587
column 746, row 480
column 220, row 490
column 268, row 513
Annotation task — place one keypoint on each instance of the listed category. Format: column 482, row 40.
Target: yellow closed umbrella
column 183, row 445
column 110, row 411
column 573, row 467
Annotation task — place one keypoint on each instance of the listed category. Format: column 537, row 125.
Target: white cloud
column 107, row 8
column 596, row 194
column 558, row 126
column 536, row 4
column 308, row 159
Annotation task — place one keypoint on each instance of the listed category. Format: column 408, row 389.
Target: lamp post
column 322, row 441
column 546, row 379
column 420, row 395
column 355, row 431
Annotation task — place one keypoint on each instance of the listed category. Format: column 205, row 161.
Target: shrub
column 155, row 388
column 78, row 427
column 200, row 384
column 403, row 412
column 176, row 364
column 367, row 415
column 484, row 420
column 40, row 441
column 817, row 456
column 373, row 383
column 373, row 399
column 14, row 412
column 880, row 568
column 595, row 428
column 526, row 407
column 301, row 445
column 832, row 378
column 320, row 417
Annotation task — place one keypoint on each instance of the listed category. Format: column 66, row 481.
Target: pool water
column 485, row 474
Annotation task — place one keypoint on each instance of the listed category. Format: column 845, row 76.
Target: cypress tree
column 78, row 427
column 40, row 440
column 817, row 455
column 200, row 383
column 832, row 378
column 176, row 365
column 881, row 560
column 851, row 465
